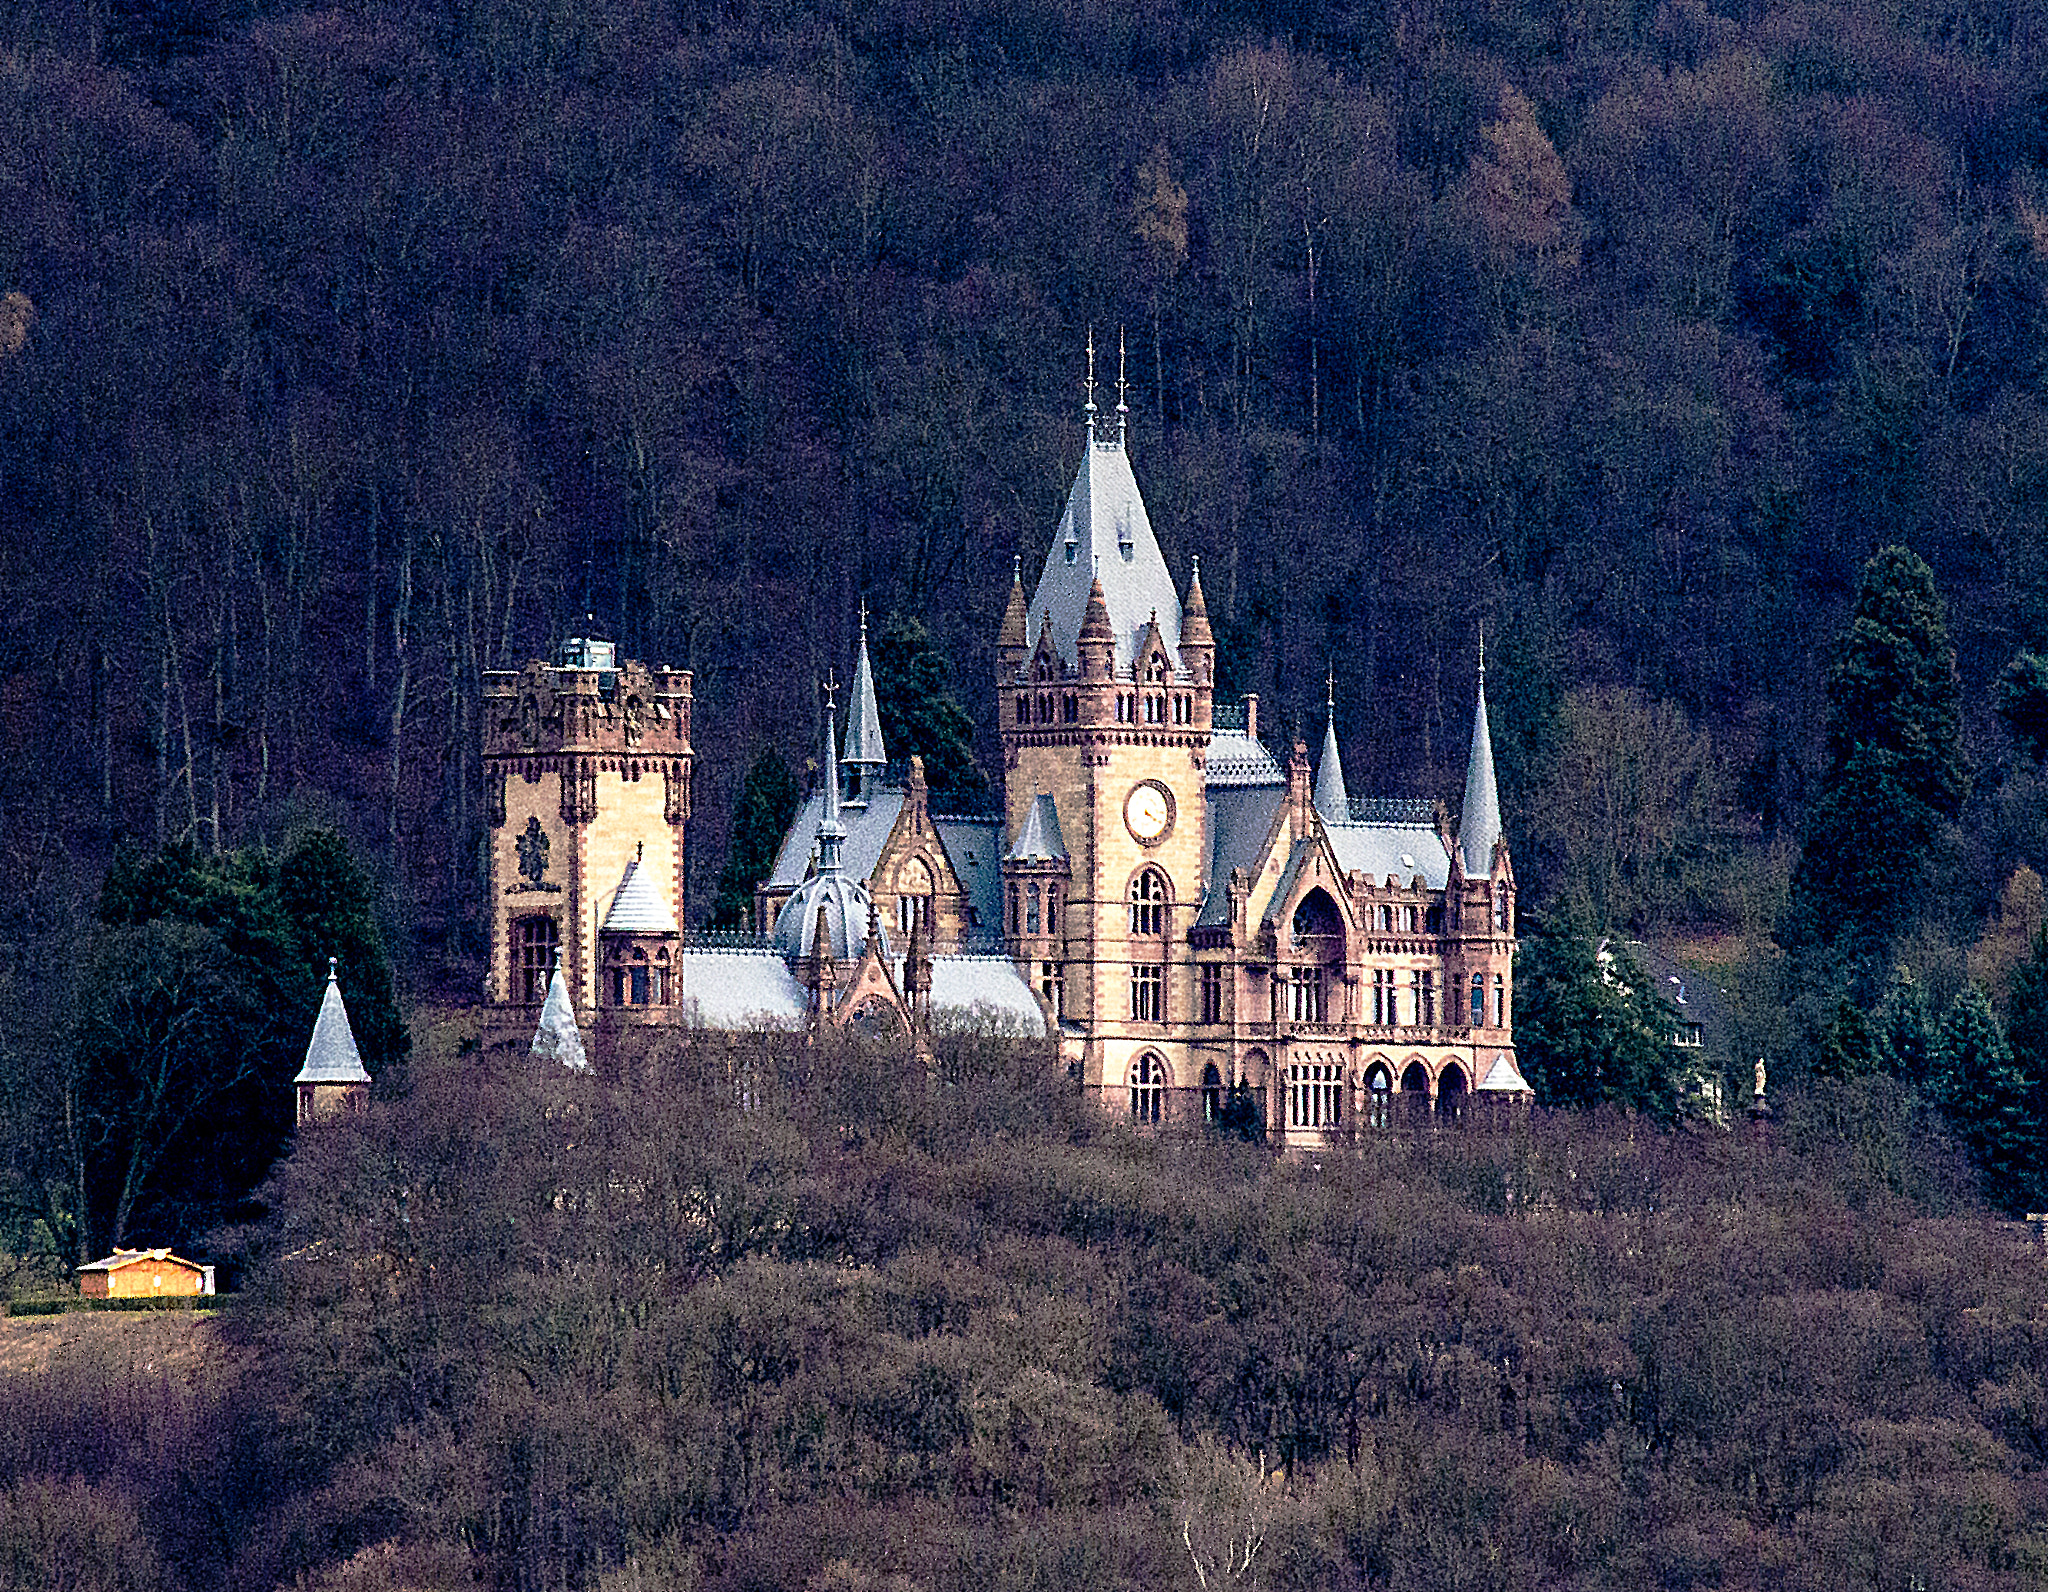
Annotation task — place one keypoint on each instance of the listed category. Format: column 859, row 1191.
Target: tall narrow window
column 1379, row 1100
column 1031, row 909
column 1148, row 1088
column 1052, row 909
column 1212, row 992
column 1500, row 1001
column 1305, row 994
column 537, row 942
column 1426, row 998
column 1385, row 1007
column 1148, row 992
column 1052, row 985
column 1212, row 1095
column 1500, row 909
column 1478, row 999
column 1148, row 903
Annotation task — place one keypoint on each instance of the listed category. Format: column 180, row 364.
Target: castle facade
column 1203, row 928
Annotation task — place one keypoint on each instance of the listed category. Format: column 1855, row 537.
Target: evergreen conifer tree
column 1904, row 1032
column 1895, row 777
column 920, row 714
column 2022, row 701
column 2027, row 1034
column 768, row 802
column 1982, row 1094
column 1592, row 1030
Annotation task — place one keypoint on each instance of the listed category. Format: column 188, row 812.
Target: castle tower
column 333, row 1081
column 587, row 767
column 1479, row 965
column 1104, row 693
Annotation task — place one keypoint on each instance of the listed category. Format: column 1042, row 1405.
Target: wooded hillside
column 349, row 350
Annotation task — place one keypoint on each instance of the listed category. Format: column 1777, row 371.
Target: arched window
column 1212, row 1095
column 1155, row 668
column 1500, row 1001
column 1415, row 1079
column 1031, row 912
column 914, row 898
column 1478, row 1000
column 1500, row 909
column 536, row 941
column 1450, row 1094
column 1011, row 925
column 1148, row 903
column 1379, row 1099
column 1071, row 709
column 1148, row 1088
column 1386, row 920
column 1052, row 909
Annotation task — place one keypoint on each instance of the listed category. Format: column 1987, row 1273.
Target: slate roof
column 557, row 1038
column 1331, row 799
column 1040, row 840
column 1240, row 821
column 1479, row 818
column 1404, row 850
column 739, row 990
column 1105, row 534
column 1236, row 758
column 331, row 1056
column 983, row 992
column 974, row 847
column 867, row 829
column 638, row 908
column 863, row 717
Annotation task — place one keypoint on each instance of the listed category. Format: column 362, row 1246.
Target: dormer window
column 1155, row 668
column 1073, row 550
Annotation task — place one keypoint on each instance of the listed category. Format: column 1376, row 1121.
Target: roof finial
column 1089, row 407
column 1122, row 409
column 1017, row 566
column 330, row 970
column 1482, row 654
column 863, row 617
column 639, row 851
column 1330, row 692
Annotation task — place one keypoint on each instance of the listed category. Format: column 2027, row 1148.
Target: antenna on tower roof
column 1088, row 408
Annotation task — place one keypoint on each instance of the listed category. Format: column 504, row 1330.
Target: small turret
column 1097, row 643
column 1479, row 820
column 333, row 1081
column 1299, row 803
column 557, row 1038
column 1332, row 800
column 865, row 758
column 1013, row 642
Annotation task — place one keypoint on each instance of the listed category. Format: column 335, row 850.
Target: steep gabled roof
column 1105, row 534
column 332, row 1057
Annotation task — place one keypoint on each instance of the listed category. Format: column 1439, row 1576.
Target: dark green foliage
column 922, row 717
column 1982, row 1093
column 1895, row 777
column 1903, row 1032
column 1848, row 1047
column 2022, row 701
column 768, row 802
column 1590, row 1027
column 203, row 980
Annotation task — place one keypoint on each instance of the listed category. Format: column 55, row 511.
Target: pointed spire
column 1095, row 620
column 1016, row 627
column 1088, row 409
column 831, row 832
column 863, row 719
column 331, row 1056
column 1332, row 800
column 1123, row 409
column 1479, row 820
column 557, row 1038
column 639, row 907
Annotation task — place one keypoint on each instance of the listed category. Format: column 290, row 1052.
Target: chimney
column 1251, row 714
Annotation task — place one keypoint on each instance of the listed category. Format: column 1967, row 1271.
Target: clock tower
column 1105, row 681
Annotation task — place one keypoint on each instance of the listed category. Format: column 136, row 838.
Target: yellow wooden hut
column 143, row 1274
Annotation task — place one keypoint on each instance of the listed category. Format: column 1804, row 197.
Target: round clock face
column 1148, row 811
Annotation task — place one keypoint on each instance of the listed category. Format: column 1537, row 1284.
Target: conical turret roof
column 1016, row 631
column 1040, row 839
column 332, row 1057
column 1479, row 820
column 558, row 1038
column 1331, row 798
column 863, row 715
column 639, row 907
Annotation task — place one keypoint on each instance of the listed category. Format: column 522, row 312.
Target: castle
column 1199, row 926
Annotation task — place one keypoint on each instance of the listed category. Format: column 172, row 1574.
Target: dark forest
column 352, row 350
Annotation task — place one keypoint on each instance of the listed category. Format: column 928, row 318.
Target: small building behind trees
column 144, row 1274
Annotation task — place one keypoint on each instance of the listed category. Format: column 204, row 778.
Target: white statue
column 1759, row 1077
